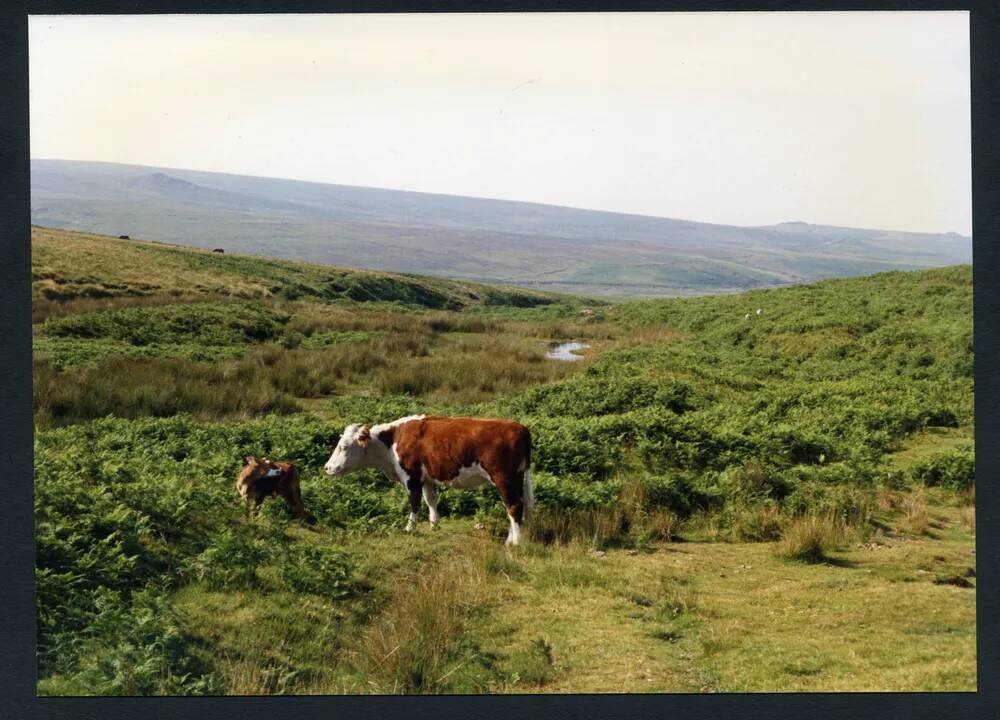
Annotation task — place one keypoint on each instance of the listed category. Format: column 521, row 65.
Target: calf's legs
column 293, row 497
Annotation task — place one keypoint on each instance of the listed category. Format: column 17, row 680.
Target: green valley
column 765, row 491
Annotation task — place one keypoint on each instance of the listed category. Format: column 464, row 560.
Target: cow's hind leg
column 414, row 488
column 515, row 515
column 430, row 497
column 512, row 493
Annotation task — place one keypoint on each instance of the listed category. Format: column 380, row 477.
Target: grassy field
column 782, row 502
column 691, row 617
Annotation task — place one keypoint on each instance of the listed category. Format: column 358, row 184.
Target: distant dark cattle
column 264, row 478
column 123, row 237
column 219, row 250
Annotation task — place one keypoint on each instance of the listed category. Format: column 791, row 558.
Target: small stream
column 564, row 351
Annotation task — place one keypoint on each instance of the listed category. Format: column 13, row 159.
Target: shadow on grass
column 840, row 562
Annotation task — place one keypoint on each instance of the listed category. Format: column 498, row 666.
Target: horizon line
column 498, row 199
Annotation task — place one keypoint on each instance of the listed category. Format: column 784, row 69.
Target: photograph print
column 502, row 353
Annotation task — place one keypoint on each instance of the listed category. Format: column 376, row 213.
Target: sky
column 856, row 119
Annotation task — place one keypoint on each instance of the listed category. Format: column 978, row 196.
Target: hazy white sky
column 859, row 119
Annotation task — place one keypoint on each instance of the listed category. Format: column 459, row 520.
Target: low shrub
column 230, row 560
column 139, row 649
column 318, row 570
column 954, row 469
column 219, row 323
column 364, row 500
column 532, row 664
column 847, row 504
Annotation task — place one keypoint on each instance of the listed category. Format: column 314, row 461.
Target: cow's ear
column 250, row 459
column 364, row 436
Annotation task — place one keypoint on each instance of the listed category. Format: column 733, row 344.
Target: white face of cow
column 351, row 452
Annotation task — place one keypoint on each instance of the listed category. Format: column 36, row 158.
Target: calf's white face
column 351, row 452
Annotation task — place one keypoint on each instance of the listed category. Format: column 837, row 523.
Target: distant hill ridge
column 497, row 241
column 78, row 266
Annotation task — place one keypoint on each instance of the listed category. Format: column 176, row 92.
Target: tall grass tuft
column 415, row 644
column 967, row 511
column 631, row 518
column 809, row 538
column 916, row 516
column 597, row 527
column 756, row 523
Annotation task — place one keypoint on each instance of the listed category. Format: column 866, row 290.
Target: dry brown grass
column 43, row 308
column 916, row 518
column 155, row 387
column 633, row 494
column 660, row 525
column 707, row 526
column 967, row 519
column 809, row 538
column 566, row 329
column 309, row 318
column 470, row 369
column 594, row 527
column 646, row 523
column 967, row 511
column 449, row 322
column 256, row 676
column 406, row 358
column 887, row 500
column 631, row 521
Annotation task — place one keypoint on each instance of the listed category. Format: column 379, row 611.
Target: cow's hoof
column 408, row 528
column 434, row 526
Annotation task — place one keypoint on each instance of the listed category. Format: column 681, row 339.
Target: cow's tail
column 529, row 494
column 527, row 491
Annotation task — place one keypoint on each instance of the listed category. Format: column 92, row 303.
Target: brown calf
column 264, row 478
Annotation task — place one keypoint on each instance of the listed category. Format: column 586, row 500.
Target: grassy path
column 731, row 617
column 453, row 609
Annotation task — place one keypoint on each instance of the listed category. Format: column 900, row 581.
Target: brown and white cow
column 421, row 452
column 262, row 478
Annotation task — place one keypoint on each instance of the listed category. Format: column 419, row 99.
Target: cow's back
column 446, row 445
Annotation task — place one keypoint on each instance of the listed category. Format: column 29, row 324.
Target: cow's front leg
column 430, row 497
column 413, row 487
